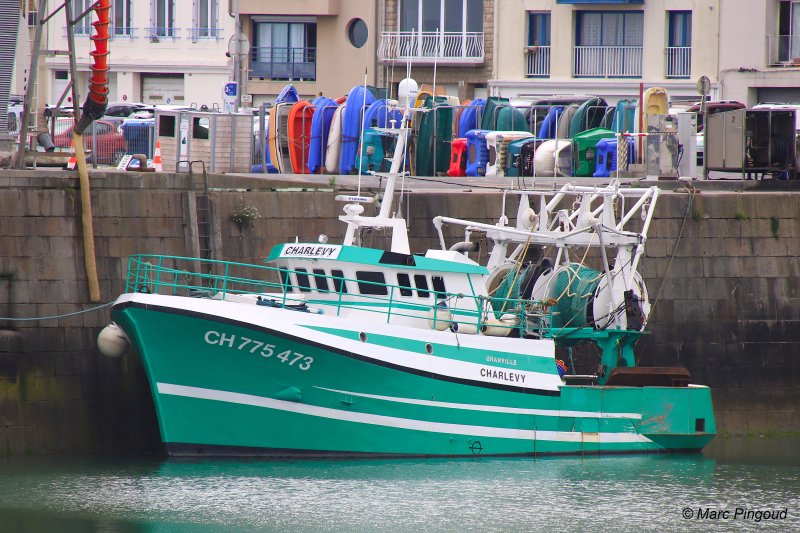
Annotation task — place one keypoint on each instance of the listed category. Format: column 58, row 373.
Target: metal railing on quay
column 150, row 274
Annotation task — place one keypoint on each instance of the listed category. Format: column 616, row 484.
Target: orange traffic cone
column 73, row 161
column 157, row 165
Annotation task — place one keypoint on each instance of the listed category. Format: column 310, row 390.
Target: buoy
column 443, row 317
column 112, row 341
column 157, row 165
column 499, row 328
column 73, row 161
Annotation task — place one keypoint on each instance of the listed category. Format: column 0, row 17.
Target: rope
column 57, row 316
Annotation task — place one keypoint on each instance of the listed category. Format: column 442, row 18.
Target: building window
column 358, row 33
column 609, row 44
column 679, row 49
column 680, row 28
column 162, row 19
column 83, row 26
column 610, row 28
column 788, row 39
column 441, row 28
column 284, row 49
column 123, row 19
column 538, row 51
column 206, row 23
column 539, row 29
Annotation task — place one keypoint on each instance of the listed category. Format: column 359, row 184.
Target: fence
column 608, row 61
column 112, row 141
column 678, row 62
column 538, row 62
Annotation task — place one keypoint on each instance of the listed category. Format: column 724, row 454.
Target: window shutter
column 215, row 23
column 195, row 19
column 153, row 17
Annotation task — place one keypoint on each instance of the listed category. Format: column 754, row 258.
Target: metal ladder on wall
column 203, row 207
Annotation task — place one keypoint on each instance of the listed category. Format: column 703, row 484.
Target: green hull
column 216, row 394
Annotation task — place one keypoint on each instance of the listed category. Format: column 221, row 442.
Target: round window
column 358, row 33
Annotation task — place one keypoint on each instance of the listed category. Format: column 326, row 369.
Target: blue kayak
column 379, row 113
column 320, row 127
column 288, row 95
column 549, row 124
column 469, row 117
column 351, row 126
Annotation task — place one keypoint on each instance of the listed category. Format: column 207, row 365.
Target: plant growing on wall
column 244, row 214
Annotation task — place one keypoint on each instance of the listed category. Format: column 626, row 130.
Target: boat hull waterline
column 273, row 382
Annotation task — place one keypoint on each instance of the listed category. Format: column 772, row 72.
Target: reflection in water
column 613, row 493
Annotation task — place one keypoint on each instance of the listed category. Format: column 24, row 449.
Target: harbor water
column 736, row 484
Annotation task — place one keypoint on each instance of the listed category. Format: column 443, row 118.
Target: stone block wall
column 729, row 310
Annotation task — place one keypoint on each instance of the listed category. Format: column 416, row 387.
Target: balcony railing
column 123, row 32
column 430, row 47
column 538, row 61
column 783, row 50
column 678, row 61
column 283, row 63
column 204, row 34
column 608, row 62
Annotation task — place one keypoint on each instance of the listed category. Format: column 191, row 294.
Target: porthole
column 358, row 33
column 429, row 349
column 362, row 337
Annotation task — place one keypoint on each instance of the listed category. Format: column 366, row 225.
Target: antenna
column 363, row 105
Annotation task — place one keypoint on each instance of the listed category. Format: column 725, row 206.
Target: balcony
column 537, row 59
column 283, row 63
column 431, row 47
column 783, row 50
column 607, row 62
column 678, row 61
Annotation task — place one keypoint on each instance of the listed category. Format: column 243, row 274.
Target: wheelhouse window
column 321, row 281
column 302, row 279
column 366, row 280
column 339, row 285
column 405, row 284
column 421, row 283
column 438, row 287
column 284, row 48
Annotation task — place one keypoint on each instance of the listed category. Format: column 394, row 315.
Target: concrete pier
column 729, row 310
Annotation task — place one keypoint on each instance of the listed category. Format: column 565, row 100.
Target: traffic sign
column 230, row 89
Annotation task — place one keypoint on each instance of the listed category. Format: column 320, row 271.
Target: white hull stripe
column 491, row 408
column 394, row 422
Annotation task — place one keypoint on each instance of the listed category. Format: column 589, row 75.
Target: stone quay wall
column 729, row 310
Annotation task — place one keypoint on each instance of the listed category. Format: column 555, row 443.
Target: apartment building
column 605, row 47
column 319, row 46
column 161, row 51
column 760, row 51
column 451, row 40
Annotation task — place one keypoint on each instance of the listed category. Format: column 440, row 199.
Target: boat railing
column 225, row 280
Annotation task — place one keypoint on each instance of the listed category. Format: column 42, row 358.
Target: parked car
column 118, row 111
column 111, row 145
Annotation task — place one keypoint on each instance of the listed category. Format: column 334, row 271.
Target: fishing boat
column 345, row 350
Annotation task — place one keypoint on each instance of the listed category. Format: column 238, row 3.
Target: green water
column 609, row 493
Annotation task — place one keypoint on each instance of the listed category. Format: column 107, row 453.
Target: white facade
column 760, row 51
column 607, row 49
column 146, row 49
